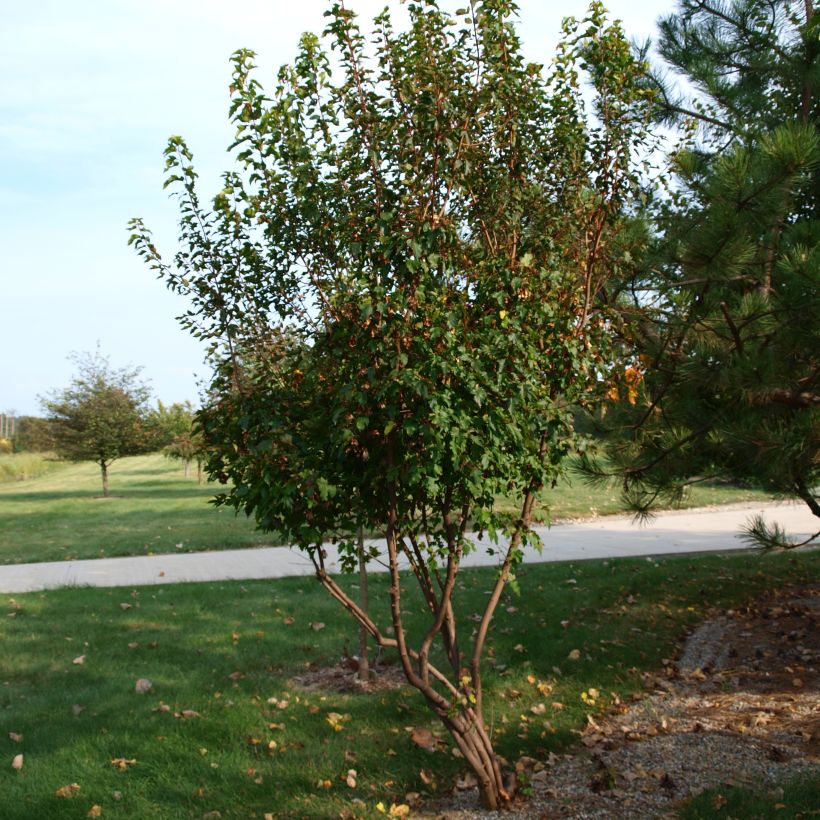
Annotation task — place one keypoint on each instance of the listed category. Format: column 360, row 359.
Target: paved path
column 713, row 529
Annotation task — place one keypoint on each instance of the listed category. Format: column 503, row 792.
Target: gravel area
column 741, row 706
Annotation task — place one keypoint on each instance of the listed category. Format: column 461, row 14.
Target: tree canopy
column 102, row 415
column 403, row 288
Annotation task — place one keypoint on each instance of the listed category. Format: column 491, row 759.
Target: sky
column 91, row 91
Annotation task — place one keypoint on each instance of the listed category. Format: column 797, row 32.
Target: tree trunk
column 186, row 463
column 364, row 602
column 104, row 471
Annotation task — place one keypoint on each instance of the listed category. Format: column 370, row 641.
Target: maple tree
column 401, row 287
column 102, row 415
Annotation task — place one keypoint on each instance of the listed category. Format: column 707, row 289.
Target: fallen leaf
column 122, row 763
column 467, row 781
column 95, row 811
column 142, row 686
column 124, row 607
column 189, row 713
column 236, row 675
column 719, row 801
column 318, row 626
column 336, row 721
column 17, row 763
column 400, row 810
column 519, row 647
column 133, row 645
column 324, row 784
column 79, row 660
column 13, row 736
column 351, row 778
column 538, row 709
column 117, row 795
column 288, row 621
column 67, row 791
column 424, row 739
column 77, row 709
column 574, row 655
column 427, row 777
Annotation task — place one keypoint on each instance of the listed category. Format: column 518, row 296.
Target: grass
column 229, row 652
column 154, row 509
column 24, row 466
column 798, row 798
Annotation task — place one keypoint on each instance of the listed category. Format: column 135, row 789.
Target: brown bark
column 104, row 471
column 364, row 601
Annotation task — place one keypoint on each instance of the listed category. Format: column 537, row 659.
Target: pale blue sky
column 91, row 90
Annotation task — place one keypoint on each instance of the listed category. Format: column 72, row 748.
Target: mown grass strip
column 229, row 652
column 154, row 508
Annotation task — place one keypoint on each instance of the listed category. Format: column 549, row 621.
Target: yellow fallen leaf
column 95, row 811
column 336, row 721
column 68, row 790
column 400, row 810
column 17, row 763
column 574, row 655
column 122, row 763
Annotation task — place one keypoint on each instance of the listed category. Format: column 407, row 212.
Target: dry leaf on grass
column 68, row 790
column 424, row 739
column 122, row 763
column 17, row 763
column 142, row 686
column 13, row 736
column 79, row 660
column 350, row 779
column 574, row 655
column 336, row 721
column 318, row 626
column 95, row 811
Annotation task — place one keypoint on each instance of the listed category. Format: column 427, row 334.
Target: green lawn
column 154, row 508
column 257, row 743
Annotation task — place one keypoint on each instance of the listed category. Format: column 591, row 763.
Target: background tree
column 188, row 447
column 726, row 316
column 102, row 415
column 34, row 435
column 401, row 290
column 171, row 420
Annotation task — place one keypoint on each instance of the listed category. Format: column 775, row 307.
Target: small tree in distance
column 102, row 415
column 404, row 290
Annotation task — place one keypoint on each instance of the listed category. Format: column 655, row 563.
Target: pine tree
column 723, row 323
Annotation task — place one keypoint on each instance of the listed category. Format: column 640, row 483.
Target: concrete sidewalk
column 712, row 529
